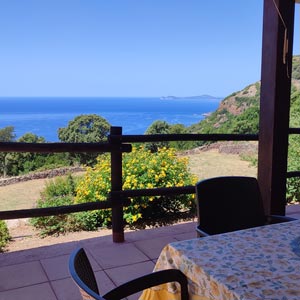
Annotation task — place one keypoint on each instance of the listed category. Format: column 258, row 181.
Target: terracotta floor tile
column 21, row 275
column 153, row 247
column 56, row 267
column 118, row 255
column 120, row 275
column 105, row 284
column 186, row 236
column 37, row 253
column 66, row 289
column 34, row 292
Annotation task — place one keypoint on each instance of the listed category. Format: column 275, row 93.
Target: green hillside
column 239, row 112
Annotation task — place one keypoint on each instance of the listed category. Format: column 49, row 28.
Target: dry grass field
column 204, row 165
column 212, row 163
column 21, row 195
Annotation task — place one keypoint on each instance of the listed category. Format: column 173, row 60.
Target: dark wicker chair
column 230, row 203
column 82, row 273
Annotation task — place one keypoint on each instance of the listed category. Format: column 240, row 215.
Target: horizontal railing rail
column 294, row 130
column 118, row 198
column 63, row 147
column 293, row 174
column 122, row 196
column 183, row 137
column 189, row 189
column 59, row 210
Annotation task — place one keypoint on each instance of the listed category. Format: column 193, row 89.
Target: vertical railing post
column 116, row 185
column 275, row 103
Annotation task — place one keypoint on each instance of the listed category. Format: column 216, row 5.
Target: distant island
column 206, row 97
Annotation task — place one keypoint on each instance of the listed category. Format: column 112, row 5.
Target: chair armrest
column 200, row 232
column 153, row 279
column 273, row 219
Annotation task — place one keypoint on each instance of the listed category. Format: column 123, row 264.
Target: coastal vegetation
column 84, row 129
column 237, row 113
column 142, row 169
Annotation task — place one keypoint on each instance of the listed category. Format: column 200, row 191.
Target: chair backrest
column 229, row 203
column 82, row 273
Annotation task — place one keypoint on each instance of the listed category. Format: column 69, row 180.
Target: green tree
column 7, row 134
column 24, row 162
column 85, row 129
column 247, row 122
column 157, row 127
column 180, row 145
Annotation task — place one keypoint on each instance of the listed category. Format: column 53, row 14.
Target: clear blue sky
column 129, row 47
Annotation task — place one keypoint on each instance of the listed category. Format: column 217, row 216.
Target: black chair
column 231, row 203
column 82, row 273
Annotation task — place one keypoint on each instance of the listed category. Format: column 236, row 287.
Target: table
column 257, row 263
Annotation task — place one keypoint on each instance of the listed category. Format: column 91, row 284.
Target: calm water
column 43, row 116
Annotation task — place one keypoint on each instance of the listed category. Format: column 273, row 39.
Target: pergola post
column 278, row 27
column 116, row 186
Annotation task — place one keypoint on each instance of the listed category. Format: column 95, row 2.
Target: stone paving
column 42, row 273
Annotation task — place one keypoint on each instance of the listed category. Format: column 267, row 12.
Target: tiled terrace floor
column 42, row 273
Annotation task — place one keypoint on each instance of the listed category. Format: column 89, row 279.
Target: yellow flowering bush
column 141, row 170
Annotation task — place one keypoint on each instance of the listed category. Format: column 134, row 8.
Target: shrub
column 293, row 190
column 89, row 220
column 55, row 224
column 60, row 186
column 293, row 184
column 4, row 235
column 58, row 192
column 141, row 169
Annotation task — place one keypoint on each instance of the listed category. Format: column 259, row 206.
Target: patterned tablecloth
column 258, row 263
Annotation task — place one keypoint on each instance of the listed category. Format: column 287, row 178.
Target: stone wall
column 230, row 147
column 40, row 175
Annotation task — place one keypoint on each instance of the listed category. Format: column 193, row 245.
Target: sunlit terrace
column 43, row 273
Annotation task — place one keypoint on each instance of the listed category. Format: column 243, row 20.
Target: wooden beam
column 278, row 26
column 116, row 186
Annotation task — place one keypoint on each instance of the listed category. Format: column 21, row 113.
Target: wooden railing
column 118, row 198
column 291, row 174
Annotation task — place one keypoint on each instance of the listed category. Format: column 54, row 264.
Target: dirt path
column 25, row 236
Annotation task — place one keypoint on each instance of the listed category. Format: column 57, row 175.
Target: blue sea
column 43, row 116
